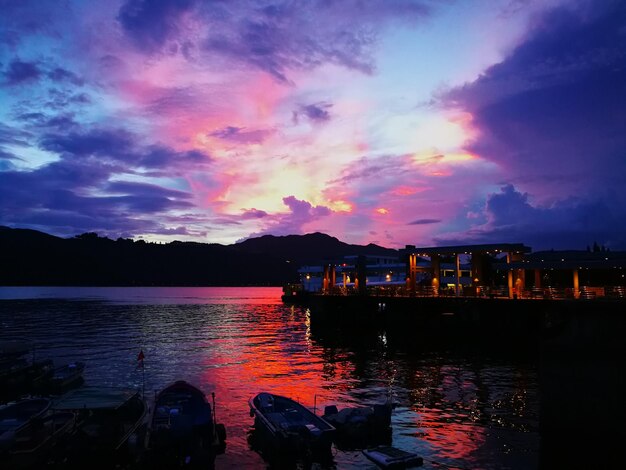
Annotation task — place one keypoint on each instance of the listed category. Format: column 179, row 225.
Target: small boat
column 20, row 376
column 362, row 426
column 16, row 416
column 291, row 427
column 183, row 430
column 392, row 457
column 33, row 440
column 110, row 425
column 67, row 375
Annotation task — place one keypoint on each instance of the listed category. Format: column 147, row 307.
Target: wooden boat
column 362, row 426
column 110, row 425
column 291, row 427
column 16, row 416
column 392, row 457
column 19, row 376
column 33, row 440
column 183, row 430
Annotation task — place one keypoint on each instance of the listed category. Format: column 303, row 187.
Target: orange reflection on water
column 454, row 440
column 447, row 405
column 273, row 352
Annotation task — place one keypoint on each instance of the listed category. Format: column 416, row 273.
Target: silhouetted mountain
column 29, row 257
column 310, row 248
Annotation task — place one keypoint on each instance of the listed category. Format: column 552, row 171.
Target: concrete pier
column 573, row 322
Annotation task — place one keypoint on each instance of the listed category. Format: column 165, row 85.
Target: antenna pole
column 214, row 417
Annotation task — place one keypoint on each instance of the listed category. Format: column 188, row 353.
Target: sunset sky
column 388, row 121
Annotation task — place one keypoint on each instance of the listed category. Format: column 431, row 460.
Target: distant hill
column 29, row 257
column 310, row 248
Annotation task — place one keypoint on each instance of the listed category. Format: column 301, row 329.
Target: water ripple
column 451, row 408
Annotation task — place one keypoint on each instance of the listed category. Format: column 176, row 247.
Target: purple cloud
column 32, row 17
column 316, row 112
column 19, row 72
column 62, row 98
column 144, row 189
column 67, row 223
column 180, row 230
column 276, row 38
column 12, row 136
column 552, row 115
column 425, row 222
column 571, row 223
column 121, row 146
column 7, row 155
column 60, row 122
column 253, row 214
column 150, row 23
column 241, row 135
column 59, row 74
column 158, row 156
column 32, row 117
column 300, row 213
column 555, row 109
column 76, row 187
column 58, row 196
column 112, row 143
column 366, row 168
column 303, row 209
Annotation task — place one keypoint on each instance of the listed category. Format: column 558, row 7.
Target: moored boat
column 19, row 376
column 183, row 430
column 110, row 425
column 290, row 426
column 32, row 441
column 16, row 416
column 362, row 426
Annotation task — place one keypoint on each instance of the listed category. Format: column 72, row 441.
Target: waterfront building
column 502, row 270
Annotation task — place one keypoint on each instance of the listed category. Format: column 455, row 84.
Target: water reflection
column 456, row 407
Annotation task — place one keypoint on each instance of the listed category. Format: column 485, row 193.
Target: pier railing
column 490, row 292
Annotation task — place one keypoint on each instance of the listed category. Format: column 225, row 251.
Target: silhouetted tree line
column 29, row 257
column 597, row 248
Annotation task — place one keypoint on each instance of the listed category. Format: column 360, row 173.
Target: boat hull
column 361, row 427
column 17, row 416
column 110, row 427
column 287, row 428
column 183, row 431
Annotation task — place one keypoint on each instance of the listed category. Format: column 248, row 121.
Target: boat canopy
column 94, row 398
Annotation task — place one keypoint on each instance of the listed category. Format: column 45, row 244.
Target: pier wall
column 556, row 323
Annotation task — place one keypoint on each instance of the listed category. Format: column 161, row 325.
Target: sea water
column 462, row 407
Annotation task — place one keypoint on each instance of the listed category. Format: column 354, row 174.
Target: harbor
column 455, row 406
column 465, row 401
